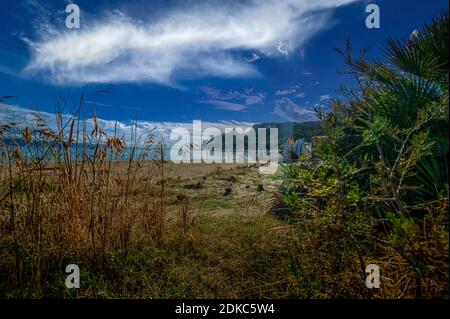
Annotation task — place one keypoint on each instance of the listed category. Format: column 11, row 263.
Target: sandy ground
column 222, row 189
column 215, row 189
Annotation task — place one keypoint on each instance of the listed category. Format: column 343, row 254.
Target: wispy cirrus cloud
column 176, row 44
column 135, row 108
column 285, row 92
column 6, row 70
column 291, row 90
column 325, row 97
column 231, row 100
column 290, row 111
column 254, row 58
column 225, row 105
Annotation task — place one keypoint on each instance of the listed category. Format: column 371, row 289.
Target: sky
column 171, row 62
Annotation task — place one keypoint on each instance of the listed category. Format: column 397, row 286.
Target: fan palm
column 414, row 81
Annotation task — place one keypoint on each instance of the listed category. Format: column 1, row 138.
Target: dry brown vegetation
column 141, row 227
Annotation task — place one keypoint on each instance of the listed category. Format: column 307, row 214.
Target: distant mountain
column 304, row 130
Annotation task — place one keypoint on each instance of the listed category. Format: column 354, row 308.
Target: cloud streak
column 231, row 100
column 161, row 130
column 288, row 110
column 195, row 42
column 224, row 105
column 325, row 97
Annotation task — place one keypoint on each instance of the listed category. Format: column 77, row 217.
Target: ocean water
column 38, row 151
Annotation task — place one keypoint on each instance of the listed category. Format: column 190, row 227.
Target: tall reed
column 74, row 194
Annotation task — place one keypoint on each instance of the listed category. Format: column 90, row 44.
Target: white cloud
column 135, row 108
column 225, row 105
column 254, row 58
column 285, row 92
column 282, row 49
column 414, row 34
column 288, row 110
column 6, row 70
column 26, row 117
column 324, row 97
column 231, row 100
column 193, row 42
column 292, row 89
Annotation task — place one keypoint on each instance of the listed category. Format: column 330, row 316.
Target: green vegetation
column 378, row 189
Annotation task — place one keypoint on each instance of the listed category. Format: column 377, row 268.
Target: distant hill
column 305, row 130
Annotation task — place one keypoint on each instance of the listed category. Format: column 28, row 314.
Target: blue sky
column 178, row 61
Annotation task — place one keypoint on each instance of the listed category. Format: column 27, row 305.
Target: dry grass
column 60, row 203
column 68, row 196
